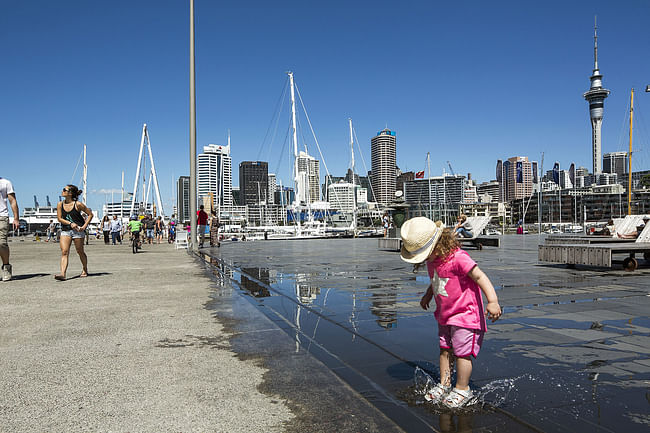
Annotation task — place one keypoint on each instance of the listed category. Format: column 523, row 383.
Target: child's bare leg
column 445, row 367
column 463, row 372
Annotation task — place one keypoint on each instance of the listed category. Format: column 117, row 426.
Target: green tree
column 645, row 180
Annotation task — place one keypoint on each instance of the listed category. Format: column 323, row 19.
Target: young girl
column 456, row 284
column 73, row 228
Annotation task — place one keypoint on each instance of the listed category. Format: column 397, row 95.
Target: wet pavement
column 570, row 353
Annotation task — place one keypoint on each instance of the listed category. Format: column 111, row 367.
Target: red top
column 202, row 218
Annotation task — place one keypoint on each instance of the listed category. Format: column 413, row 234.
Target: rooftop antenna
column 595, row 43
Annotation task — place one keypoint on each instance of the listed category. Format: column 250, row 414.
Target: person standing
column 51, row 231
column 7, row 193
column 160, row 229
column 149, row 225
column 201, row 222
column 214, row 230
column 386, row 223
column 116, row 230
column 106, row 228
column 73, row 228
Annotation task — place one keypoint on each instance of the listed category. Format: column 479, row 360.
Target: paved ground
column 136, row 346
column 570, row 353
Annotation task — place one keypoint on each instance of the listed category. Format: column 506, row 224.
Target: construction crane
column 451, row 169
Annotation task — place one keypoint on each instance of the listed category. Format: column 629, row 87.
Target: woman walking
column 73, row 228
column 106, row 228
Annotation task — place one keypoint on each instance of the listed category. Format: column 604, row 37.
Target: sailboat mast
column 629, row 159
column 429, row 168
column 85, row 178
column 354, row 190
column 296, row 200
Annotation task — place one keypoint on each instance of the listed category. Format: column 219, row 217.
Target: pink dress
column 458, row 298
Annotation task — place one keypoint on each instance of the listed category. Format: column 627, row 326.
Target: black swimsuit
column 74, row 216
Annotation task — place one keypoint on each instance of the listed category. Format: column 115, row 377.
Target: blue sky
column 468, row 81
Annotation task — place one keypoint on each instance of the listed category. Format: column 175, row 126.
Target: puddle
column 367, row 326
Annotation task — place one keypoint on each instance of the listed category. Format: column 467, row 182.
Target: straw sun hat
column 419, row 238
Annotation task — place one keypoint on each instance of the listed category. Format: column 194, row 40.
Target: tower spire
column 595, row 44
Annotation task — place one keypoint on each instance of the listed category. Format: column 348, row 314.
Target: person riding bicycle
column 135, row 226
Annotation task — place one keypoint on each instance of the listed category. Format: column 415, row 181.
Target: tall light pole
column 193, row 243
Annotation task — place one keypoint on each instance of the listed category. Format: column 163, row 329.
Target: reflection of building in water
column 383, row 306
column 222, row 272
column 305, row 291
column 256, row 289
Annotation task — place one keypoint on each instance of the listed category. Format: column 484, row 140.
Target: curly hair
column 446, row 245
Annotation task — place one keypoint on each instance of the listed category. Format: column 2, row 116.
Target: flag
column 520, row 172
column 499, row 170
column 419, row 175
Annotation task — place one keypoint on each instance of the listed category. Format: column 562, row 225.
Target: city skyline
column 420, row 76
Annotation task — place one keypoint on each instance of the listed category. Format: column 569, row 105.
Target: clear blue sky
column 468, row 81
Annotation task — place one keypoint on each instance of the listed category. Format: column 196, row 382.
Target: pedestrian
column 149, row 225
column 106, row 228
column 456, row 285
column 73, row 228
column 201, row 222
column 386, row 223
column 463, row 227
column 160, row 229
column 116, row 230
column 7, row 193
column 214, row 230
column 171, row 236
column 51, row 231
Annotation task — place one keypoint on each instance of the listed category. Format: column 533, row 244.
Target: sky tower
column 596, row 97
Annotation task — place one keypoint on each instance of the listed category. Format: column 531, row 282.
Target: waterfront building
column 636, row 179
column 596, row 97
column 253, row 182
column 515, row 177
column 615, row 162
column 440, row 195
column 273, row 186
column 606, row 178
column 309, row 178
column 490, row 189
column 342, row 196
column 214, row 175
column 183, row 198
column 498, row 211
column 383, row 150
column 403, row 177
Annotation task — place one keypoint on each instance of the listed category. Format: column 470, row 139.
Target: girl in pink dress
column 456, row 285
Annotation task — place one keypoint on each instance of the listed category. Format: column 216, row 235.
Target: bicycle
column 135, row 242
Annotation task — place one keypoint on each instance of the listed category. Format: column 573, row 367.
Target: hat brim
column 421, row 256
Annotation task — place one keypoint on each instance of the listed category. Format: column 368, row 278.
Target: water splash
column 495, row 393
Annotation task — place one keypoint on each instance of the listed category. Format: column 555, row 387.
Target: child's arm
column 493, row 309
column 426, row 299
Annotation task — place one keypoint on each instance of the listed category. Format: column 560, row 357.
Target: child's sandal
column 437, row 393
column 458, row 398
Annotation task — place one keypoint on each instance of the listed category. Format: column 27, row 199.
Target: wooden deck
column 597, row 254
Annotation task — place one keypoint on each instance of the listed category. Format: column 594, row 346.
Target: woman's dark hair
column 74, row 191
column 106, row 217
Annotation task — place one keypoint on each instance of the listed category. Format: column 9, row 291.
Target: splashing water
column 494, row 393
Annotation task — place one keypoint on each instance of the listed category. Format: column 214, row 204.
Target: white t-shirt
column 6, row 188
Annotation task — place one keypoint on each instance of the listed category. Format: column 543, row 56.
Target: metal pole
column 193, row 243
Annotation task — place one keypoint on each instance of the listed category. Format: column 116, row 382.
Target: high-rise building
column 183, row 198
column 515, row 177
column 596, row 97
column 342, row 196
column 253, row 182
column 615, row 162
column 273, row 186
column 383, row 150
column 214, row 175
column 308, row 178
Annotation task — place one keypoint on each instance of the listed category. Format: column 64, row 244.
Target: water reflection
column 461, row 423
column 382, row 305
